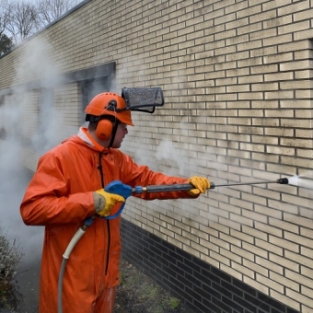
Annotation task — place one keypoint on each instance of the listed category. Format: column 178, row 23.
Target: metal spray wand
column 182, row 187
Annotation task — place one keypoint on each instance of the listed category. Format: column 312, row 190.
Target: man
column 68, row 187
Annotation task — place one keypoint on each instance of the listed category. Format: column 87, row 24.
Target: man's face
column 120, row 134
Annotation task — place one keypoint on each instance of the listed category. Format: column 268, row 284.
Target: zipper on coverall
column 107, row 221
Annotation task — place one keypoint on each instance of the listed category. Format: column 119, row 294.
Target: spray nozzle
column 283, row 181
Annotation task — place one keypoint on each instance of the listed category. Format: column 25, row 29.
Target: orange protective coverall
column 59, row 196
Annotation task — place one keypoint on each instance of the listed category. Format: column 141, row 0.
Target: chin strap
column 114, row 132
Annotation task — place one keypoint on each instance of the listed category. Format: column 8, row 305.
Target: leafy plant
column 174, row 303
column 10, row 257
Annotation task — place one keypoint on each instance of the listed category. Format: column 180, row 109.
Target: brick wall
column 201, row 286
column 237, row 81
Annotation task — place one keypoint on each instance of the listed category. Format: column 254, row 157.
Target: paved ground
column 28, row 284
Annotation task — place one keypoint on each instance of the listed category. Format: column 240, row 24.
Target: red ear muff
column 104, row 129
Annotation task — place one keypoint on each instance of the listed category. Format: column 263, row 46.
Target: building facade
column 237, row 80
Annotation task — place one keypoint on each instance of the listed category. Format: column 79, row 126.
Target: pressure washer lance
column 181, row 187
column 126, row 191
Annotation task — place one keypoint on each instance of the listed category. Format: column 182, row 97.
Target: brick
column 305, row 309
column 233, row 21
column 303, row 34
column 297, row 238
column 265, row 122
column 243, row 253
column 294, row 46
column 286, row 282
column 303, row 299
column 256, row 268
column 243, row 269
column 304, row 154
column 299, row 26
column 266, row 245
column 252, row 147
column 270, row 283
column 278, row 76
column 257, row 200
column 284, row 243
column 302, row 260
column 231, row 271
column 280, row 224
column 294, row 66
column 241, row 236
column 221, row 259
column 236, row 7
column 268, row 265
column 282, row 150
column 269, row 229
column 306, row 232
column 254, row 249
column 259, row 286
column 282, row 57
column 209, row 260
column 199, row 248
column 264, row 87
column 257, row 52
column 291, row 302
column 264, row 104
column 283, row 261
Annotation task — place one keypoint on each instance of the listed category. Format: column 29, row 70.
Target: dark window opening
column 90, row 88
column 1, row 100
column 44, row 137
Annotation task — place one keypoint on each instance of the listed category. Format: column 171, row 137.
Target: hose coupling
column 212, row 186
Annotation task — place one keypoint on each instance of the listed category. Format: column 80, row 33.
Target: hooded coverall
column 60, row 196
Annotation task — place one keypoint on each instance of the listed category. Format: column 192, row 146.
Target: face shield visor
column 143, row 99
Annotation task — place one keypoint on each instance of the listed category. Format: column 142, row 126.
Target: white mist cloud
column 12, row 186
column 31, row 122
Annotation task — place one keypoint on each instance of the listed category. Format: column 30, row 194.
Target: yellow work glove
column 105, row 201
column 201, row 184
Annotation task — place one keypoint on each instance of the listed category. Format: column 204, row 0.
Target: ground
column 137, row 293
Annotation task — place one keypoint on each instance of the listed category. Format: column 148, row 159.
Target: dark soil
column 137, row 293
